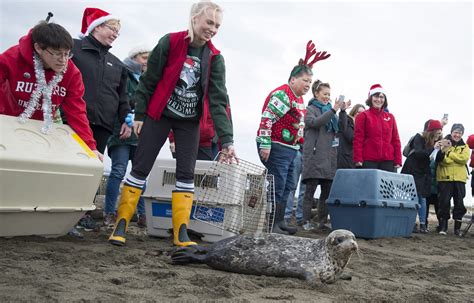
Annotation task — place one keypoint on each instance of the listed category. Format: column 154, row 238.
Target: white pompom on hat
column 137, row 50
column 93, row 17
column 376, row 88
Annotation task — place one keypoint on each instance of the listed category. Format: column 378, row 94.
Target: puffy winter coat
column 376, row 137
column 452, row 165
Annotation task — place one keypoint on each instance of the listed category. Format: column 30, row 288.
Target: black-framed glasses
column 67, row 55
column 113, row 29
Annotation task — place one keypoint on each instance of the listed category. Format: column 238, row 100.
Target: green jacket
column 132, row 84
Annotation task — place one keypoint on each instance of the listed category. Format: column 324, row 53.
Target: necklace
column 46, row 90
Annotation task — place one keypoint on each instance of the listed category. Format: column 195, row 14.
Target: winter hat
column 376, row 88
column 434, row 125
column 137, row 50
column 457, row 126
column 92, row 18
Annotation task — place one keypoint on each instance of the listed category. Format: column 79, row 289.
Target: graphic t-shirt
column 185, row 101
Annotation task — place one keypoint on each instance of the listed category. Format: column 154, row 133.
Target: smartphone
column 341, row 98
column 445, row 116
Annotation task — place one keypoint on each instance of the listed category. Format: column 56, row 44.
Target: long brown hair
column 431, row 137
column 355, row 110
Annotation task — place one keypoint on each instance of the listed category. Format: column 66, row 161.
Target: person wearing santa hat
column 184, row 83
column 376, row 141
column 417, row 164
column 37, row 77
column 105, row 80
column 105, row 76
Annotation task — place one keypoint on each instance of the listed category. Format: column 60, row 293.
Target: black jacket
column 346, row 136
column 105, row 81
column 418, row 165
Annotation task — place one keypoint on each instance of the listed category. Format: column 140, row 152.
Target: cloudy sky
column 421, row 52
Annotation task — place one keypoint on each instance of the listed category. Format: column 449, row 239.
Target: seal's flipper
column 189, row 254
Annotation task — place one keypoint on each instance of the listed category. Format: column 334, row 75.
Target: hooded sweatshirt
column 17, row 82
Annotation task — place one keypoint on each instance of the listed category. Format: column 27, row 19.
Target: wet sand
column 423, row 268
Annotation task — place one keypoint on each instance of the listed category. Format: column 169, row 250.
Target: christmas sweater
column 17, row 82
column 282, row 119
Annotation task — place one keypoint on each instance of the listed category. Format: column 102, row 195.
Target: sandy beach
column 422, row 268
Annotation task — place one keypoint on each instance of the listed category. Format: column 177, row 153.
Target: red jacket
column 470, row 142
column 376, row 137
column 17, row 80
column 177, row 54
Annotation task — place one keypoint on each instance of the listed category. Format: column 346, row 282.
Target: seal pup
column 314, row 260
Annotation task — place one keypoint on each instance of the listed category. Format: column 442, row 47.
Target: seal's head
column 340, row 245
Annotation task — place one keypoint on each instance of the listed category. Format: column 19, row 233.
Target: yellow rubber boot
column 126, row 209
column 181, row 205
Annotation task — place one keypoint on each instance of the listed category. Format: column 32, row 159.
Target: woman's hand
column 337, row 105
column 264, row 154
column 98, row 155
column 125, row 131
column 137, row 127
column 228, row 155
column 346, row 105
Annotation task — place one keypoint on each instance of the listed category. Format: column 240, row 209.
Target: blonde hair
column 199, row 8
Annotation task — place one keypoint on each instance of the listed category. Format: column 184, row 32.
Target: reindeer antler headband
column 307, row 62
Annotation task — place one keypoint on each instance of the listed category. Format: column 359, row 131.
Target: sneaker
column 109, row 220
column 443, row 232
column 87, row 223
column 308, row 226
column 75, row 233
column 423, row 229
column 141, row 222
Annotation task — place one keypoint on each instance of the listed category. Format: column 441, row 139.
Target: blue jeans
column 282, row 165
column 291, row 196
column 422, row 210
column 120, row 155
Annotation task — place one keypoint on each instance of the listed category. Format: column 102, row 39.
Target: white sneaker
column 308, row 226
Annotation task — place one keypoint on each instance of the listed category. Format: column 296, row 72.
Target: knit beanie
column 137, row 50
column 458, row 126
column 434, row 125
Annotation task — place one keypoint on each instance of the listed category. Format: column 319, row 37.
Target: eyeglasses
column 113, row 29
column 67, row 55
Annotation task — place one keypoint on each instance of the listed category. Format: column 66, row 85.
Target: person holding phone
column 376, row 140
column 320, row 150
column 451, row 175
column 346, row 136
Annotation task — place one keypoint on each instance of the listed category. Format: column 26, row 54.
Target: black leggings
column 152, row 138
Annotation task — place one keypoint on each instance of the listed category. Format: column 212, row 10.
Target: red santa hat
column 376, row 88
column 93, row 17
